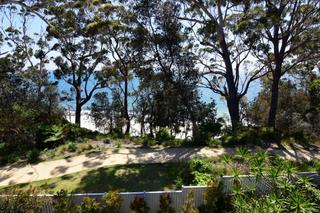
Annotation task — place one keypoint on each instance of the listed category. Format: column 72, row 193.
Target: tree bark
column 274, row 103
column 78, row 109
column 142, row 126
column 232, row 95
column 126, row 113
column 233, row 108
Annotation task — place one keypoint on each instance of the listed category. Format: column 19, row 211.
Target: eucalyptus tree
column 82, row 61
column 118, row 38
column 285, row 34
column 28, row 99
column 167, row 64
column 30, row 54
column 222, row 55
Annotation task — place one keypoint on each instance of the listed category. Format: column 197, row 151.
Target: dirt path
column 44, row 170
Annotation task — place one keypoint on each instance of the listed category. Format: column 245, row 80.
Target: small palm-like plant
column 226, row 159
column 298, row 203
column 285, row 190
column 242, row 153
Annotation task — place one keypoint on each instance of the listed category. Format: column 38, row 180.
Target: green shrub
column 206, row 132
column 165, row 204
column 113, row 202
column 189, row 204
column 149, row 141
column 215, row 201
column 163, row 136
column 3, row 149
column 178, row 182
column 12, row 157
column 202, row 165
column 201, row 179
column 33, row 155
column 197, row 171
column 286, row 192
column 138, row 205
column 21, row 202
column 89, row 205
column 242, row 137
column 72, row 147
column 268, row 134
column 117, row 133
column 62, row 202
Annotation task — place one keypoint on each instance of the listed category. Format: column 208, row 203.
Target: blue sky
column 36, row 25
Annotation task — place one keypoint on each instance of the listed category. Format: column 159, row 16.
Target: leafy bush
column 62, row 202
column 21, row 202
column 113, row 202
column 198, row 171
column 165, row 204
column 286, row 191
column 163, row 136
column 201, row 179
column 189, row 204
column 215, row 201
column 51, row 135
column 202, row 165
column 89, row 205
column 138, row 205
column 254, row 136
column 149, row 141
column 3, row 148
column 206, row 133
column 117, row 133
column 33, row 155
column 72, row 147
column 268, row 134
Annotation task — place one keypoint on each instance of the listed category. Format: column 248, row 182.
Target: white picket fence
column 178, row 197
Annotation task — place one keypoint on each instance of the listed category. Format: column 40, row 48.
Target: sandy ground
column 44, row 170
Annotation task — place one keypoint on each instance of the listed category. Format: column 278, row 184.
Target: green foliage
column 202, row 165
column 206, row 133
column 117, row 133
column 201, row 171
column 138, row 205
column 198, row 171
column 287, row 192
column 53, row 133
column 148, row 141
column 33, row 155
column 21, row 202
column 72, row 147
column 201, row 179
column 89, row 205
column 252, row 136
column 3, row 148
column 62, row 202
column 113, row 202
column 189, row 204
column 57, row 134
column 215, row 200
column 165, row 204
column 163, row 136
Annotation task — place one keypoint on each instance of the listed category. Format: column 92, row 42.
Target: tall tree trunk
column 142, row 126
column 126, row 113
column 151, row 129
column 232, row 98
column 78, row 112
column 232, row 94
column 233, row 108
column 274, row 102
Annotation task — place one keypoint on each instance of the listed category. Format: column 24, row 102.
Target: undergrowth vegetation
column 273, row 185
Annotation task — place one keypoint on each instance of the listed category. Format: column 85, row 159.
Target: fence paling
column 178, row 197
